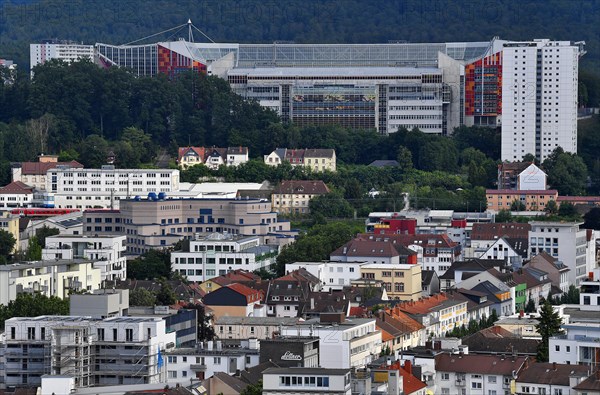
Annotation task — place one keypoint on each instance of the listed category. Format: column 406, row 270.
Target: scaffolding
column 72, row 353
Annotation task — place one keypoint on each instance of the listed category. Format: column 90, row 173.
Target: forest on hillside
column 313, row 21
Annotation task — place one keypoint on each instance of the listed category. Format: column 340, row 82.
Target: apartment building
column 580, row 345
column 476, row 374
column 550, row 378
column 149, row 223
column 107, row 252
column 206, row 359
column 533, row 200
column 485, row 235
column 539, row 98
column 10, row 223
column 568, row 243
column 217, row 254
column 64, row 50
column 293, row 197
column 34, row 173
column 558, row 272
column 401, row 281
column 50, row 278
column 294, row 380
column 211, row 157
column 438, row 314
column 104, row 187
column 521, row 176
column 96, row 352
column 315, row 159
column 243, row 327
column 343, row 343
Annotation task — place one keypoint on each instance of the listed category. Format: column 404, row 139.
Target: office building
column 287, row 381
column 66, row 51
column 539, row 98
column 150, row 223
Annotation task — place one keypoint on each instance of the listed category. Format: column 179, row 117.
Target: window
column 445, row 376
column 129, row 335
column 172, row 374
column 491, row 379
column 31, row 333
column 476, row 385
column 217, row 360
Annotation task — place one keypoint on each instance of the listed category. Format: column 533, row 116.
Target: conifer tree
column 548, row 326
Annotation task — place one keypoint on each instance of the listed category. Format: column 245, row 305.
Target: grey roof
column 38, row 264
column 324, row 72
column 229, row 320
column 383, row 163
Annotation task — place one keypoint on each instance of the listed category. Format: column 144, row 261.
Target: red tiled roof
column 310, row 187
column 410, row 384
column 517, row 192
column 40, row 168
column 251, row 295
column 16, row 188
column 422, row 306
column 582, row 199
column 385, row 336
column 424, row 240
column 372, row 248
column 184, row 150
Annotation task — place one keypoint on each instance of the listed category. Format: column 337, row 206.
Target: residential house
column 474, row 373
column 532, row 200
column 286, row 294
column 460, row 270
column 496, row 340
column 484, row 235
column 316, row 159
column 34, row 174
column 550, row 378
column 538, row 285
column 430, row 283
column 374, row 251
column 293, row 196
column 589, row 386
column 478, row 306
column 234, row 300
column 521, row 176
column 16, row 194
column 285, row 381
column 406, row 382
column 498, row 288
column 522, row 326
column 10, row 223
column 579, row 345
column 513, row 251
column 221, row 383
column 211, row 157
column 333, row 275
column 558, row 272
column 398, row 330
column 239, row 276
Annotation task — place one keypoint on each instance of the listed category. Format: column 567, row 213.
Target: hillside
column 348, row 21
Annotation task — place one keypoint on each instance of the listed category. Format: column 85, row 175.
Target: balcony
column 461, row 382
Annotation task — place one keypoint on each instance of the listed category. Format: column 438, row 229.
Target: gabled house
column 478, row 306
column 430, row 283
column 461, row 270
column 438, row 314
column 316, row 159
column 558, row 272
column 521, row 176
column 190, row 156
column 293, row 196
column 550, row 378
column 239, row 276
column 16, row 194
column 513, row 251
column 287, row 294
column 398, row 330
column 484, row 235
column 212, row 157
column 234, row 300
column 497, row 340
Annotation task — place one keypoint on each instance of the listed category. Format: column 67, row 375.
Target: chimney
column 408, row 366
column 553, row 365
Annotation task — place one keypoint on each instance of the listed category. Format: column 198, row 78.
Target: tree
column 404, row 158
column 34, row 249
column 504, row 216
column 142, row 297
column 150, row 265
column 517, row 205
column 549, row 325
column 567, row 209
column 206, row 330
column 551, row 207
column 253, row 389
column 592, row 219
column 566, row 172
column 165, row 296
column 33, row 305
column 530, row 307
column 330, row 205
column 493, row 318
column 7, row 243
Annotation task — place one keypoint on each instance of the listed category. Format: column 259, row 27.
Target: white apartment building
column 207, row 359
column 50, row 278
column 103, row 188
column 107, row 252
column 296, row 381
column 580, row 345
column 16, row 194
column 342, row 344
column 240, row 328
column 67, row 51
column 539, row 98
column 111, row 351
column 334, row 275
column 566, row 242
column 218, row 253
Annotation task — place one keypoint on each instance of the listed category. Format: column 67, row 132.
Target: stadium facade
column 431, row 86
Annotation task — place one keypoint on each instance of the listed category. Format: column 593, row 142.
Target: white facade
column 296, row 381
column 580, row 345
column 103, row 188
column 344, row 345
column 107, row 252
column 50, row 278
column 566, row 242
column 219, row 254
column 184, row 364
column 14, row 200
column 333, row 275
column 65, row 51
column 539, row 98
column 532, row 178
column 501, row 249
column 83, row 346
column 457, row 383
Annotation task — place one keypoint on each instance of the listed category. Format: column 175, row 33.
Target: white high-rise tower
column 539, row 98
